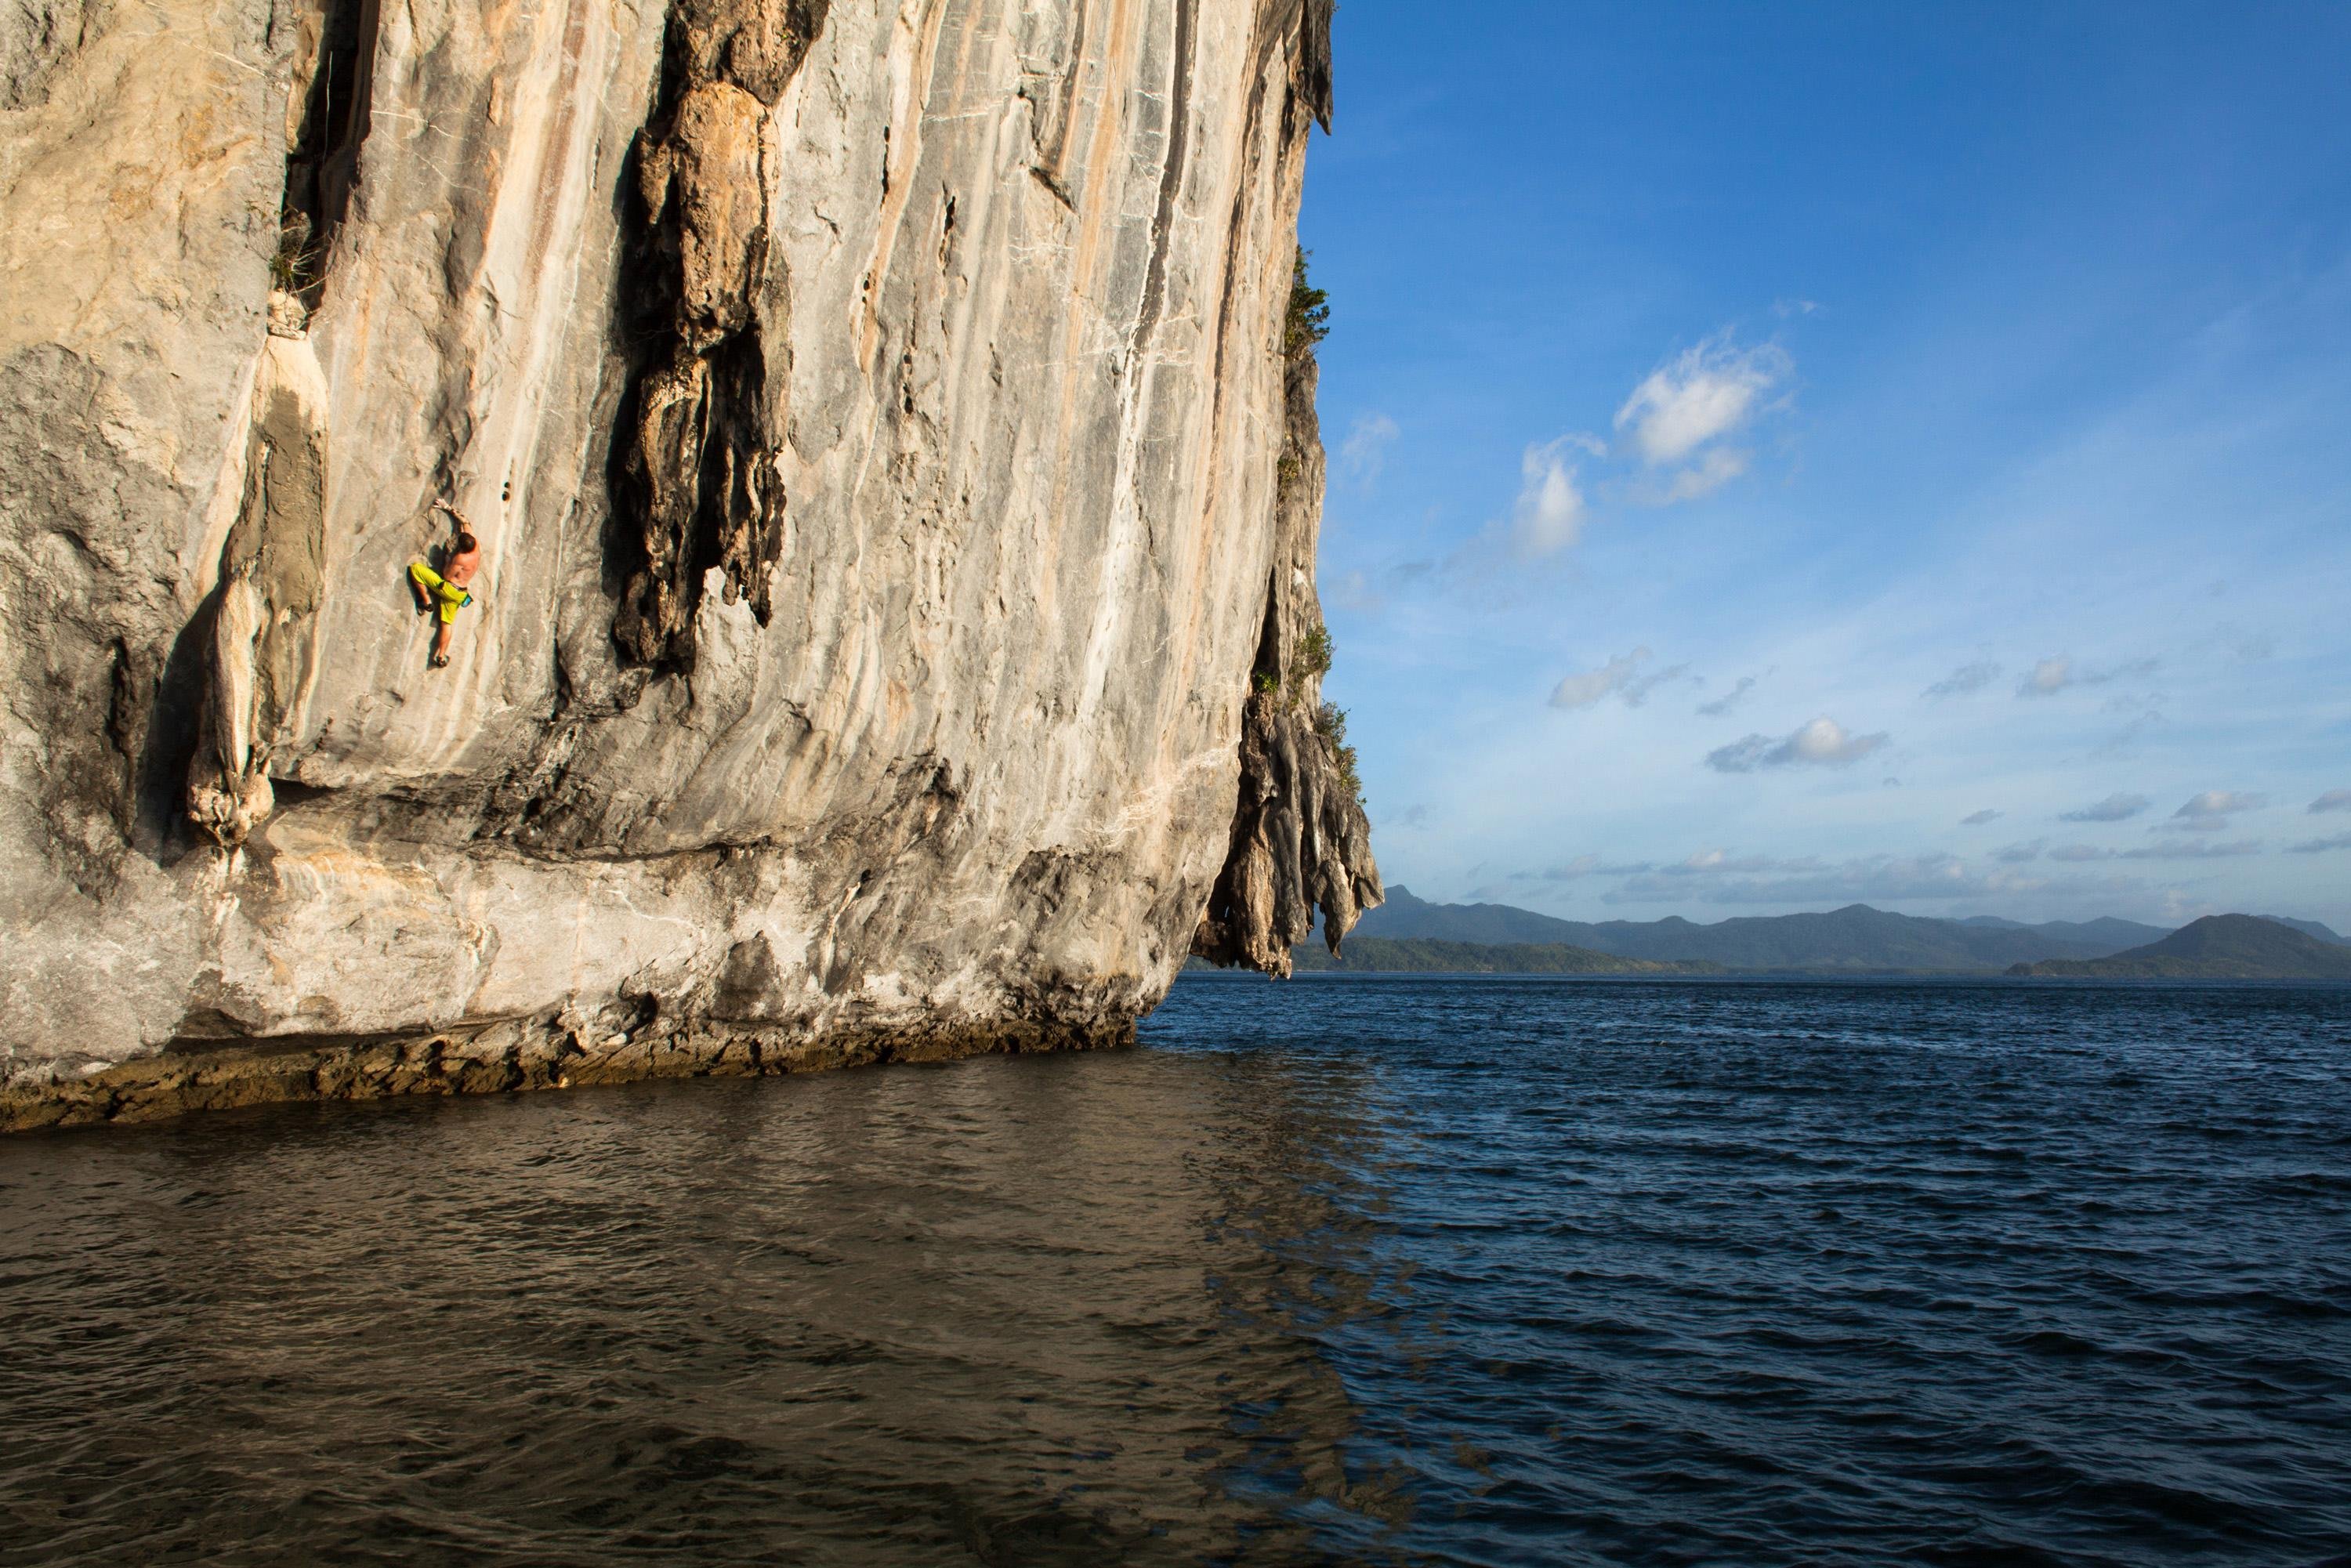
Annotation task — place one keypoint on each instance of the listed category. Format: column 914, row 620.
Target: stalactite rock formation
column 875, row 418
column 1300, row 838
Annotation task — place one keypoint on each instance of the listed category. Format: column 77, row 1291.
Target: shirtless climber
column 445, row 588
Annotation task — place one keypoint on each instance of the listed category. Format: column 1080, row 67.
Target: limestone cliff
column 898, row 491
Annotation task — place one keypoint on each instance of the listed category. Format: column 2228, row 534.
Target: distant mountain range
column 2308, row 928
column 2217, row 948
column 1416, row 955
column 1856, row 939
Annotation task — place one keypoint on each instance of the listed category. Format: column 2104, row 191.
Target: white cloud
column 1715, row 877
column 1964, row 680
column 2048, row 676
column 2053, row 676
column 1717, row 862
column 1978, row 819
column 1709, row 474
column 1822, row 743
column 2333, row 801
column 1364, row 452
column 1549, row 515
column 2210, row 811
column 1704, row 864
column 2115, row 808
column 1618, row 674
column 1727, row 700
column 1698, row 396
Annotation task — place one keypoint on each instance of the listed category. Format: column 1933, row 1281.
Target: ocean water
column 1353, row 1269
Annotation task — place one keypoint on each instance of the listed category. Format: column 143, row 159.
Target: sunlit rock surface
column 890, row 469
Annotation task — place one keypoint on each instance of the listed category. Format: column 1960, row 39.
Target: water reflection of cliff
column 1015, row 1311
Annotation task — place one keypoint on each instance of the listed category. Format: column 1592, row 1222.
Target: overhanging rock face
column 882, row 434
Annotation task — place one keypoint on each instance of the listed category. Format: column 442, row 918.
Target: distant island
column 1411, row 936
column 2217, row 948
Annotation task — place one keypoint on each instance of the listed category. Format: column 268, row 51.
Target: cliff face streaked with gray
column 891, row 470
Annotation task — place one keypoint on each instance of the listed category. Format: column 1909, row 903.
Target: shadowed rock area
column 894, row 478
column 1300, row 839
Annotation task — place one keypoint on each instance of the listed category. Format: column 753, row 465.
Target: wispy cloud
column 1583, row 866
column 1550, row 511
column 2018, row 854
column 1716, row 877
column 2048, row 676
column 1364, row 452
column 1636, row 692
column 2145, row 716
column 1727, row 700
column 1620, row 677
column 1353, row 589
column 1722, row 863
column 1965, row 680
column 2115, row 808
column 2173, row 852
column 1587, row 688
column 1708, row 474
column 2320, row 846
column 1978, row 819
column 2052, row 675
column 1700, row 397
column 1822, row 743
column 2333, row 801
column 2210, row 811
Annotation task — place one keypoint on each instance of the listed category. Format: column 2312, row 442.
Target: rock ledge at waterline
column 899, row 493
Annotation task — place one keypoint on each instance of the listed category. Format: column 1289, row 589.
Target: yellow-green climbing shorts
column 446, row 596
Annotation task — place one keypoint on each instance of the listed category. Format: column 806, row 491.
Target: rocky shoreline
column 498, row 1058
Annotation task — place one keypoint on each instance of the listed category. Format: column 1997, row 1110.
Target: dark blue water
column 1353, row 1269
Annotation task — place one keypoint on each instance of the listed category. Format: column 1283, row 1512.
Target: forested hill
column 1856, row 939
column 2217, row 948
column 1386, row 955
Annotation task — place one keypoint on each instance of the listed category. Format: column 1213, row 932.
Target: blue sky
column 1790, row 455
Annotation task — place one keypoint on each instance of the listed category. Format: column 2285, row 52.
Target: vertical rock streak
column 334, row 69
column 691, row 462
column 268, row 577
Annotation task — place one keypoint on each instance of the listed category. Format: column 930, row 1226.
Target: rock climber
column 446, row 590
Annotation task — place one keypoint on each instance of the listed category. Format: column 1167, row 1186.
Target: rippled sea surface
column 1353, row 1269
